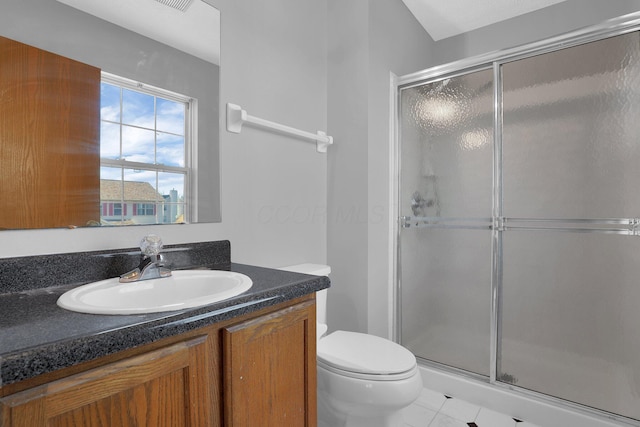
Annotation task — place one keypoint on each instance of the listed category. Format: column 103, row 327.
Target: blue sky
column 145, row 138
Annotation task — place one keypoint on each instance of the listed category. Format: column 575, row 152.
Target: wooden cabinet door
column 49, row 139
column 169, row 387
column 270, row 369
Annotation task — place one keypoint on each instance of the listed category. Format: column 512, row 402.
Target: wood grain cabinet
column 257, row 370
column 270, row 370
column 155, row 389
column 49, row 139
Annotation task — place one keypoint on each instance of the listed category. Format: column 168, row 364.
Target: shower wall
column 519, row 181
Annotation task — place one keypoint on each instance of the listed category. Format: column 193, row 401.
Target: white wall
column 367, row 41
column 274, row 188
column 398, row 45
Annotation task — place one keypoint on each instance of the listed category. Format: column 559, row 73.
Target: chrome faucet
column 152, row 262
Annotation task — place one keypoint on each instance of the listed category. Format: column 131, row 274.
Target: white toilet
column 363, row 380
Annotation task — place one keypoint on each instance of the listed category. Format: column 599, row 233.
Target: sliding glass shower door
column 446, row 191
column 571, row 288
column 519, row 256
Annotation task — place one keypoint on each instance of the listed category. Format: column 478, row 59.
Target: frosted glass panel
column 446, row 293
column 570, row 325
column 571, row 127
column 446, row 156
column 447, row 136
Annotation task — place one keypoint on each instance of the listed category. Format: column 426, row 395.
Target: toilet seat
column 369, row 377
column 365, row 356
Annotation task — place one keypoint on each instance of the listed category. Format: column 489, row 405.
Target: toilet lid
column 363, row 353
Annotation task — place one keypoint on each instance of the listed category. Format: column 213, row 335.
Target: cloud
column 145, row 137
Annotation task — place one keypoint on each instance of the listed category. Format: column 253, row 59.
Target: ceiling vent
column 181, row 5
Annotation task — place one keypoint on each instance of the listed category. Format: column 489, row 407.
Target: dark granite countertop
column 36, row 336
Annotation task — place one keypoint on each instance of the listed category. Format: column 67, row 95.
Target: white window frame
column 190, row 142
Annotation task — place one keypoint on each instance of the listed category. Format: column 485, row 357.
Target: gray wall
column 392, row 27
column 347, row 202
column 274, row 187
column 368, row 40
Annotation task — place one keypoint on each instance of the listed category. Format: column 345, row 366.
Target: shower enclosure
column 519, row 205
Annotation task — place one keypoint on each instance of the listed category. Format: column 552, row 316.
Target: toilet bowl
column 363, row 380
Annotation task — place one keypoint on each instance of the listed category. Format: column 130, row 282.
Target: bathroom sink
column 183, row 289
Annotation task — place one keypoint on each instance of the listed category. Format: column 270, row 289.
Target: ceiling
column 195, row 31
column 447, row 18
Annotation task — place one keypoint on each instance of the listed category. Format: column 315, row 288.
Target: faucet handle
column 151, row 245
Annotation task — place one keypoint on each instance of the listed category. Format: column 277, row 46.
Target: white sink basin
column 183, row 289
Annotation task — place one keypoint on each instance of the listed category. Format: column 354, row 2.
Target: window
column 145, row 209
column 146, row 145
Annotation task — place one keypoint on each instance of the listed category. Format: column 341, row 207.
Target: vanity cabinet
column 158, row 388
column 270, row 369
column 255, row 370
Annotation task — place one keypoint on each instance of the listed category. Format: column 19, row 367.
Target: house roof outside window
column 134, row 191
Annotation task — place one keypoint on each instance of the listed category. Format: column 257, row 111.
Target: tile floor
column 433, row 409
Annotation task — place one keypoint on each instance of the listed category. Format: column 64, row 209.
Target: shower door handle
column 440, row 222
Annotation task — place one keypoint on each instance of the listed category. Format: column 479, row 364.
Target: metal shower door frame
column 498, row 223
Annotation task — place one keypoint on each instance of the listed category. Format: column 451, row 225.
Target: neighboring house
column 141, row 203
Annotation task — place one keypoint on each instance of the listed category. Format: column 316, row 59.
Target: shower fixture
column 419, row 204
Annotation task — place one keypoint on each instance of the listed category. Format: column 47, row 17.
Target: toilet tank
column 321, row 296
